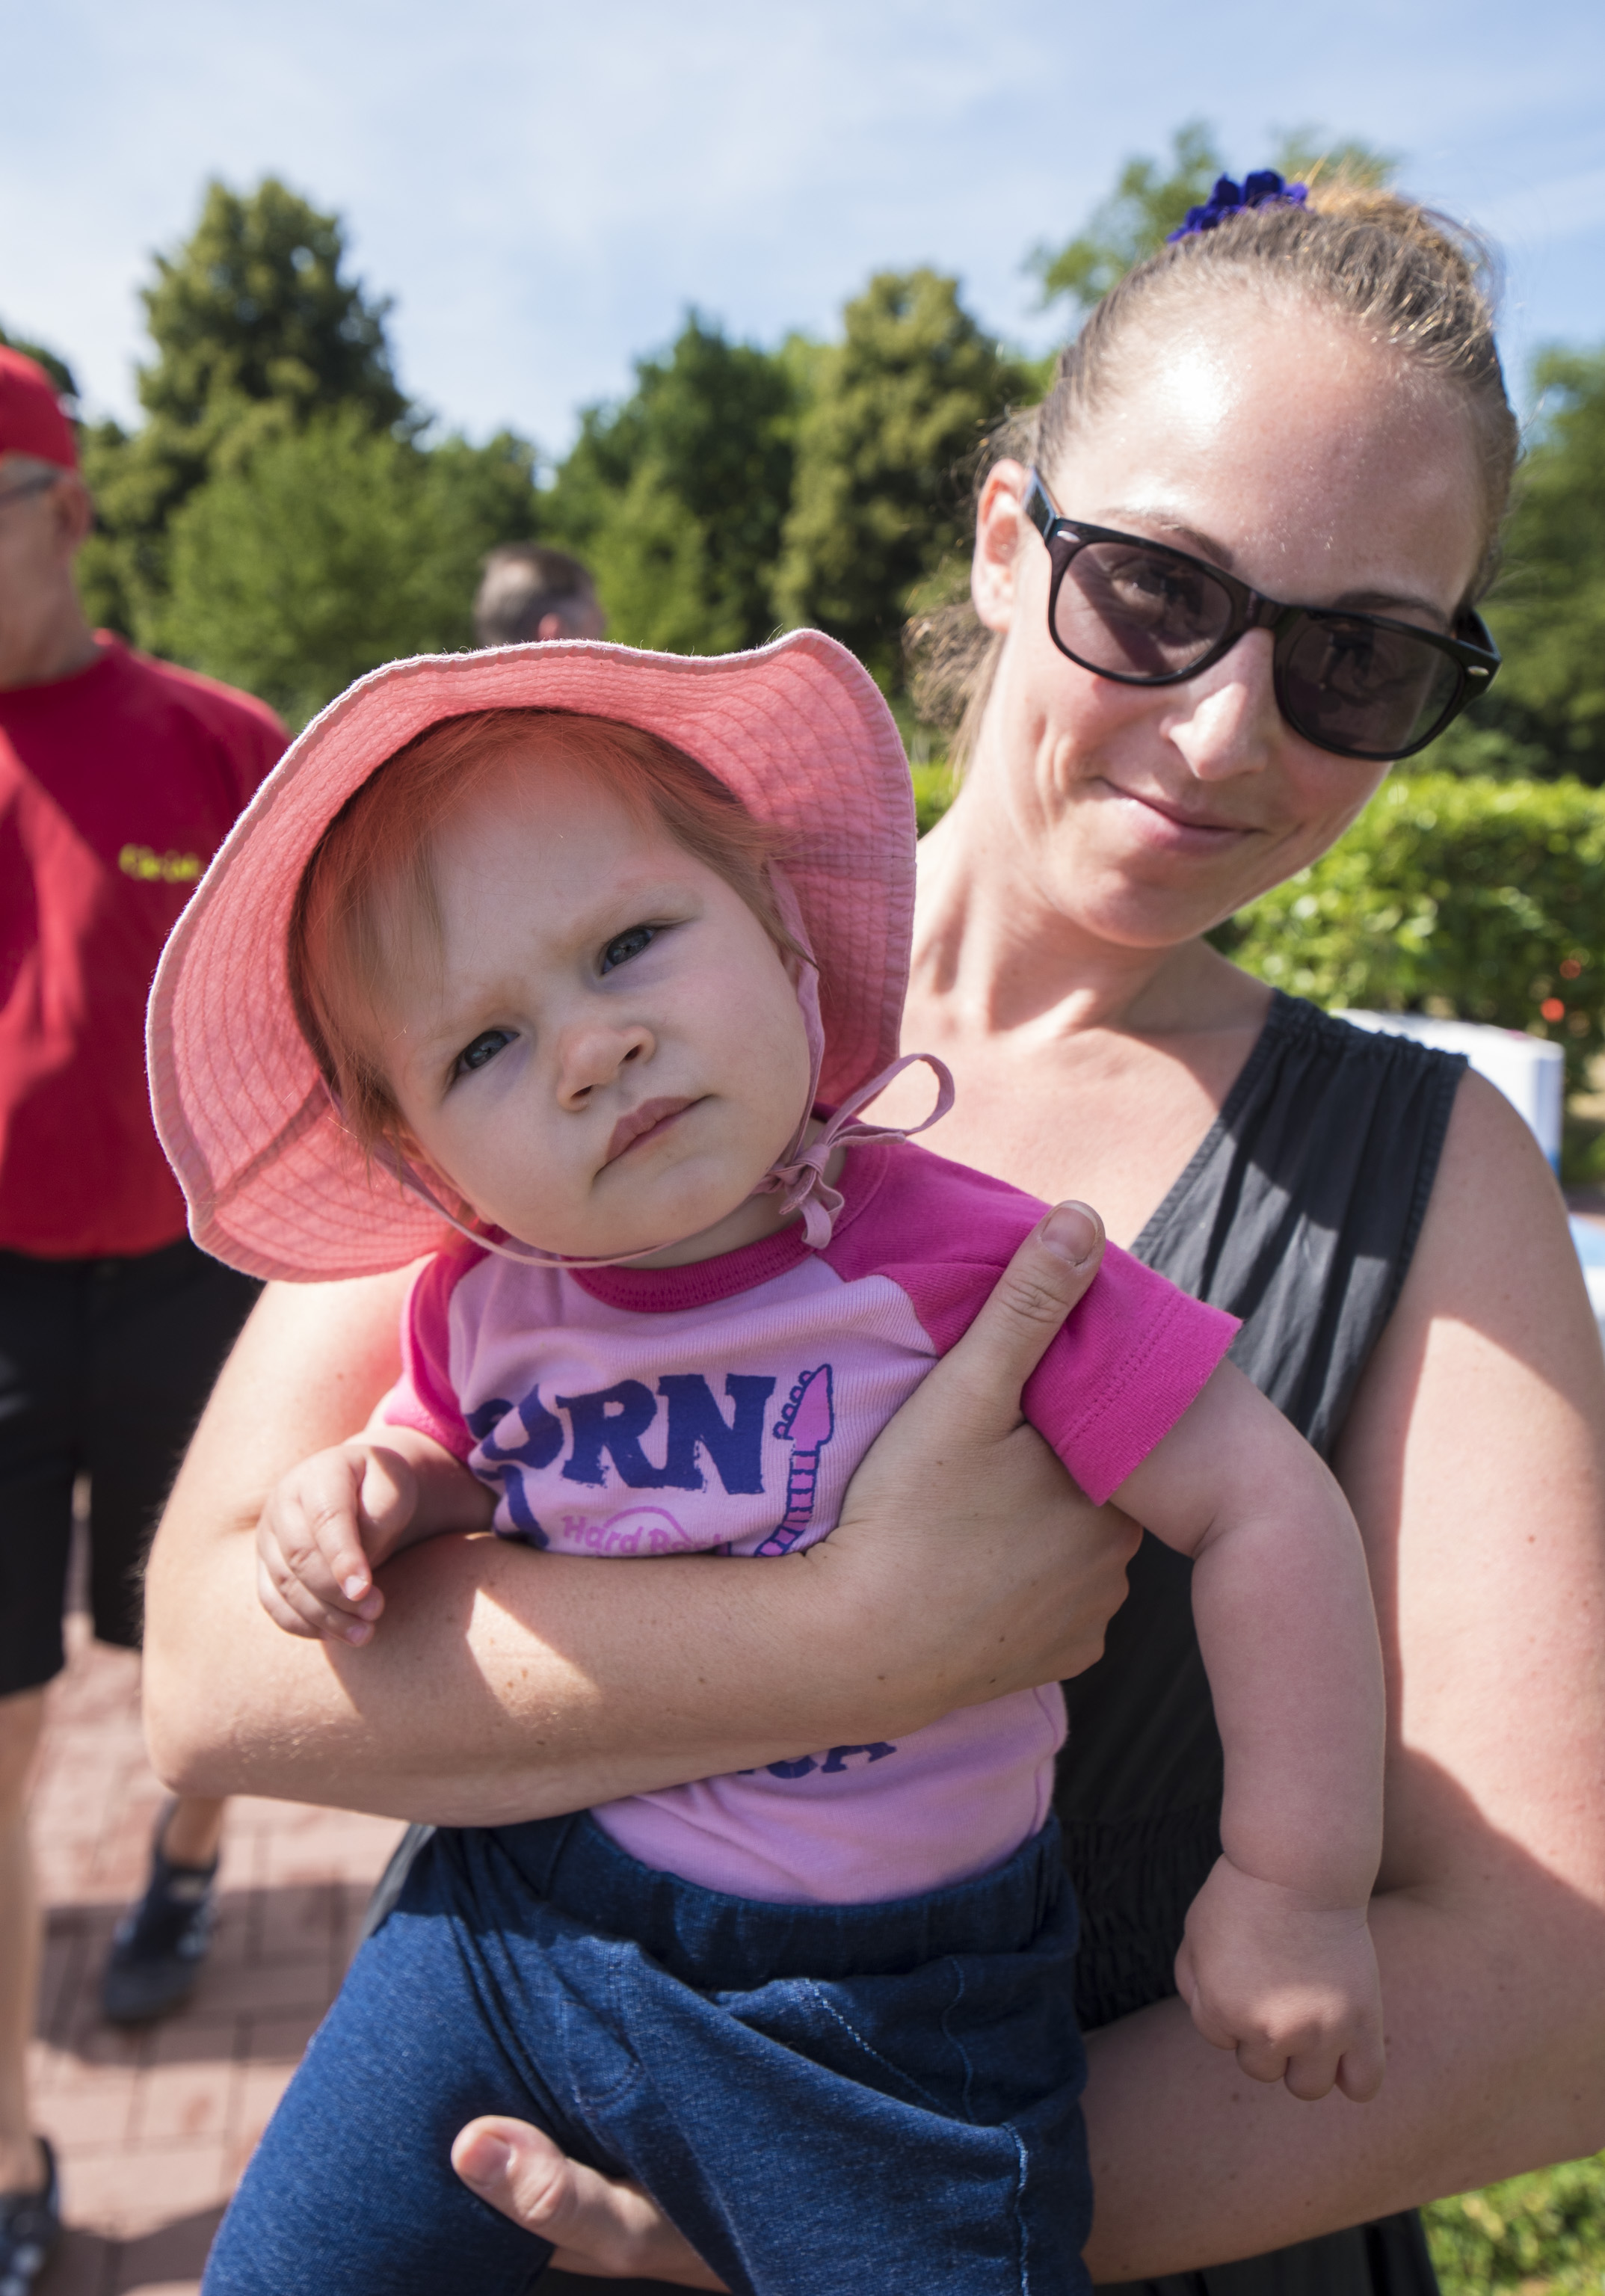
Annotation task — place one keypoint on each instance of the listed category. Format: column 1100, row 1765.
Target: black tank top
column 1299, row 1214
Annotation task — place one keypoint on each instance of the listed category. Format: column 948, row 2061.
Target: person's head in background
column 529, row 593
column 45, row 516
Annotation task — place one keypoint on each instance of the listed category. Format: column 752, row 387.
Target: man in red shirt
column 119, row 776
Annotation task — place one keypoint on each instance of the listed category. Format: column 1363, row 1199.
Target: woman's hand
column 599, row 2228
column 958, row 1484
column 511, row 1685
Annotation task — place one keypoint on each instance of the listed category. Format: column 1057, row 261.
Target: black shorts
column 105, row 1367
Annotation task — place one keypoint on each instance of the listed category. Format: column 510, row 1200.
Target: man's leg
column 40, row 1303
column 159, row 1329
column 21, row 2162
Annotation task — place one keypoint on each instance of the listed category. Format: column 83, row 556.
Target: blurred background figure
column 119, row 777
column 530, row 593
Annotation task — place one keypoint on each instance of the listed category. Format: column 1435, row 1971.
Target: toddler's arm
column 1277, row 1960
column 333, row 1519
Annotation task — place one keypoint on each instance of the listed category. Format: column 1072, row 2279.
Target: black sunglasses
column 1360, row 686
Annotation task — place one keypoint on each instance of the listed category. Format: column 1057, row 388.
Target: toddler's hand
column 325, row 1526
column 1292, row 1988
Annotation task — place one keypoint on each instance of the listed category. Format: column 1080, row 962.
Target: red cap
column 31, row 421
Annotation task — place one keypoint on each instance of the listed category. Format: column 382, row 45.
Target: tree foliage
column 1152, row 197
column 1545, row 714
column 255, row 330
column 1148, row 202
column 280, row 519
column 899, row 408
column 336, row 547
column 675, row 496
column 254, row 309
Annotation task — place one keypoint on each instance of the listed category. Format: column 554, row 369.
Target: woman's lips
column 652, row 1117
column 1168, row 824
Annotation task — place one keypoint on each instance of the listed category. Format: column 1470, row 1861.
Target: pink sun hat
column 798, row 731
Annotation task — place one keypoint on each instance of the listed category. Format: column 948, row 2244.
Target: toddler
column 572, row 966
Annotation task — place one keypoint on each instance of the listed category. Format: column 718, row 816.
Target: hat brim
column 798, row 730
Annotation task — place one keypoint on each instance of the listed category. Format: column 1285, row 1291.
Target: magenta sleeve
column 423, row 1398
column 1122, row 1370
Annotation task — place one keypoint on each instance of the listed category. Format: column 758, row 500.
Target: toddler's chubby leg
column 352, row 2188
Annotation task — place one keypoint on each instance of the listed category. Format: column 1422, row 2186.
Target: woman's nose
column 1226, row 723
column 593, row 1052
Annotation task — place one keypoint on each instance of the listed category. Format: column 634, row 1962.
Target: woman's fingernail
column 1071, row 1231
column 354, row 1586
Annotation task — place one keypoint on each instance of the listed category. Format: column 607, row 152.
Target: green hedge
column 1471, row 899
column 1544, row 2232
column 1483, row 901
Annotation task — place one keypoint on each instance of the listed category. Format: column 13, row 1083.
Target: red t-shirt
column 117, row 786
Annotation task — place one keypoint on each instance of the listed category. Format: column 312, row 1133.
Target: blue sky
column 545, row 188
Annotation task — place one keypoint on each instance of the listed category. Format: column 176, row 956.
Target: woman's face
column 1288, row 451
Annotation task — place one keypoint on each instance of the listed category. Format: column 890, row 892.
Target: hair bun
column 1347, row 199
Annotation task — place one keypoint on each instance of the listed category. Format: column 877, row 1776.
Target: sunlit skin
column 607, row 1051
column 1102, row 828
column 1150, row 809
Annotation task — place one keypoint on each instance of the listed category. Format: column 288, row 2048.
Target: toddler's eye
column 484, row 1049
column 627, row 944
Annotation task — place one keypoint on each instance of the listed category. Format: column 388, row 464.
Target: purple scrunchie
column 1264, row 188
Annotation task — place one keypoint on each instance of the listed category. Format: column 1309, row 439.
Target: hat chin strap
column 797, row 1176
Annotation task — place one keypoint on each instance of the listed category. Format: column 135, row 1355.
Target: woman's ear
column 999, row 526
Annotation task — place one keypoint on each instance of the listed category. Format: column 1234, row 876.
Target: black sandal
column 160, row 1943
column 30, row 2224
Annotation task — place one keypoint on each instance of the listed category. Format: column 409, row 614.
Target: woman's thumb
column 1032, row 1296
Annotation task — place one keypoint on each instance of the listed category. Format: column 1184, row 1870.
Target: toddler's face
column 609, row 1053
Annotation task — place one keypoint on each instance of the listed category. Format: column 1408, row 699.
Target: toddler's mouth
column 652, row 1118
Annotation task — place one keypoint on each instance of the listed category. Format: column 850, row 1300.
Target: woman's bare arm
column 1473, row 1460
column 511, row 1684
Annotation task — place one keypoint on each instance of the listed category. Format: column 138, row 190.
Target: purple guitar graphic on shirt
column 808, row 1420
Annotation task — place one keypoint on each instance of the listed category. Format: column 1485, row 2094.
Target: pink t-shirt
column 724, row 1405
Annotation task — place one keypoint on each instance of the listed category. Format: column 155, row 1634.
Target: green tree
column 900, row 408
column 1147, row 203
column 1152, row 197
column 675, row 495
column 333, row 547
column 255, row 330
column 1545, row 714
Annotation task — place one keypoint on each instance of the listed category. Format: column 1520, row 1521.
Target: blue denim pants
column 826, row 2099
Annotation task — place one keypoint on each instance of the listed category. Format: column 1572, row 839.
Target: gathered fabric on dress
column 1298, row 1214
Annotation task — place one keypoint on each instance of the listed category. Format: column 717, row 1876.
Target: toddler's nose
column 594, row 1053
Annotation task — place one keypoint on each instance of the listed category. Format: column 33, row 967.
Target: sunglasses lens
column 1137, row 613
column 1363, row 692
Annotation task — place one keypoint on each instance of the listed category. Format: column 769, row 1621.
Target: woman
column 1310, row 404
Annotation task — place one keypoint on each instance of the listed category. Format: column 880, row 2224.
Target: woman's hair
column 1406, row 277
column 367, row 902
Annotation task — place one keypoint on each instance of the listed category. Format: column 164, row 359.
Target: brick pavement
column 154, row 2126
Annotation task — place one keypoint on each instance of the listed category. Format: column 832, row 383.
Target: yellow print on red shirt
column 159, row 868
